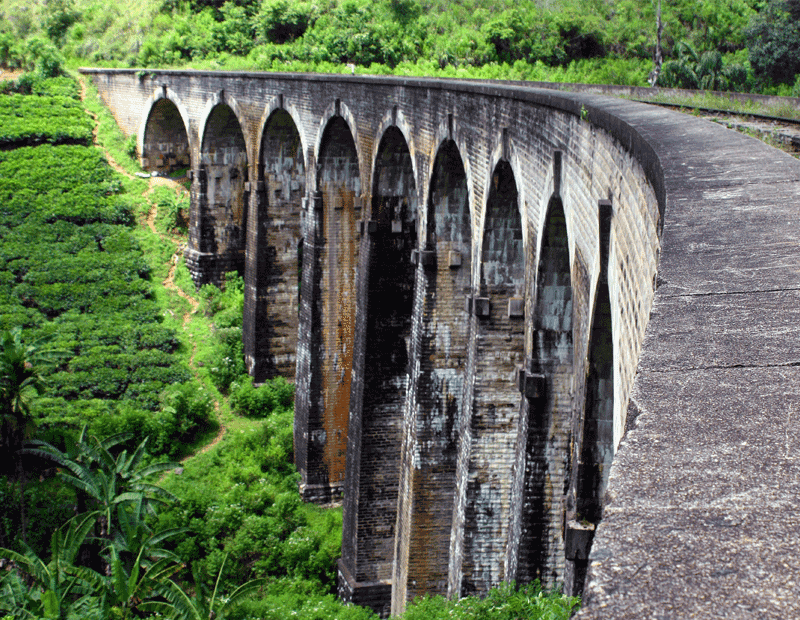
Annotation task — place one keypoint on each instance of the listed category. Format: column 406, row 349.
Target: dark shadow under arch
column 549, row 417
column 165, row 142
column 327, row 316
column 219, row 213
column 380, row 372
column 496, row 400
column 272, row 269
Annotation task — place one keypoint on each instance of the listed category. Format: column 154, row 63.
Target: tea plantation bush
column 30, row 119
column 71, row 268
column 251, row 401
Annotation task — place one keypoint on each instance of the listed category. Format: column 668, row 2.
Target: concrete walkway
column 702, row 514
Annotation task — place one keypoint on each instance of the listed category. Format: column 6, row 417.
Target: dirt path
column 169, row 281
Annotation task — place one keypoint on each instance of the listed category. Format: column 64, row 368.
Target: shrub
column 261, row 401
column 773, row 38
column 505, row 602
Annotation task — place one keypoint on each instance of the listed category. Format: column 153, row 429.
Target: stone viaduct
column 485, row 292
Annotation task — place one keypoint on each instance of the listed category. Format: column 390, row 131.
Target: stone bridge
column 487, row 292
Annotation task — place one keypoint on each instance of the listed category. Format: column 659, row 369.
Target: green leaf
column 50, row 605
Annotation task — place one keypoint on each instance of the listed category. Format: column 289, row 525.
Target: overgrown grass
column 728, row 104
column 111, row 138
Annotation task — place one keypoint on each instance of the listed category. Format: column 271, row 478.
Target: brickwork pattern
column 274, row 252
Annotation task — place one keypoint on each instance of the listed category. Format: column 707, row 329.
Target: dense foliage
column 27, row 119
column 735, row 44
column 503, row 603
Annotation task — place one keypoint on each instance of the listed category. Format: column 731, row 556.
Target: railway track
column 783, row 133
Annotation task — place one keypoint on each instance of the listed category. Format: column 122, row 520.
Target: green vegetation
column 503, row 603
column 28, row 119
column 746, row 45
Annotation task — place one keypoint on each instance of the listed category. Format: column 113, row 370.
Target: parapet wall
column 468, row 337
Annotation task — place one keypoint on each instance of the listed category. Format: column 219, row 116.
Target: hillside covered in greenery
column 746, row 45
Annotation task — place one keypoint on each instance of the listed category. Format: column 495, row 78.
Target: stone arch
column 327, row 315
column 439, row 351
column 275, row 104
column 544, row 431
column 499, row 308
column 448, row 131
column 219, row 219
column 163, row 137
column 505, row 150
column 337, row 110
column 222, row 98
column 274, row 232
column 380, row 373
column 396, row 120
column 596, row 441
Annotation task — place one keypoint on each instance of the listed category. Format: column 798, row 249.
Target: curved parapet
column 540, row 334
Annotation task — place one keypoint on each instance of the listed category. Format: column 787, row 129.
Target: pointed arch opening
column 548, row 417
column 496, row 399
column 380, row 372
column 165, row 144
column 425, row 515
column 222, row 199
column 327, row 316
column 273, row 236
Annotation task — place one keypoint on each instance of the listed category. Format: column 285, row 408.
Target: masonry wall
column 465, row 446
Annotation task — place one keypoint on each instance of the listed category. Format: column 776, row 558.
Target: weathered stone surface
column 701, row 516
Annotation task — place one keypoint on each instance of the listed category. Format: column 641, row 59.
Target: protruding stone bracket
column 531, row 384
column 397, row 227
column 479, row 306
column 425, row 257
column 516, row 308
column 368, row 226
column 255, row 186
column 358, row 202
column 454, row 259
column 318, row 201
column 578, row 540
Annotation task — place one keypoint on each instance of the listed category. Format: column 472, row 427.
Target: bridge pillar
column 541, row 471
column 439, row 351
column 327, row 317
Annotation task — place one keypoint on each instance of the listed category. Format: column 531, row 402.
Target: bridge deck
column 703, row 507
